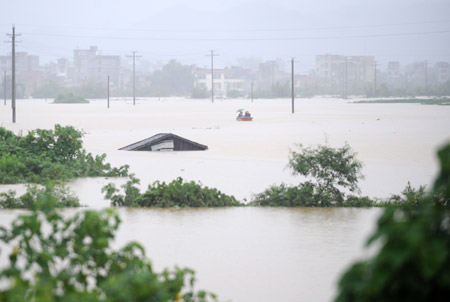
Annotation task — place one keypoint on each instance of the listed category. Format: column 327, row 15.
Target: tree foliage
column 330, row 172
column 58, row 259
column 69, row 98
column 44, row 155
column 413, row 261
column 333, row 169
column 199, row 93
column 61, row 193
column 174, row 79
column 177, row 193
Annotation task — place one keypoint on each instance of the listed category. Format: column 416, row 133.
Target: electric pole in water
column 293, row 84
column 346, row 78
column 212, row 74
column 108, row 91
column 375, row 81
column 252, row 92
column 426, row 74
column 4, row 85
column 134, row 75
column 13, row 73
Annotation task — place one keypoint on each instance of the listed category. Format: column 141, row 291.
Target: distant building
column 24, row 62
column 90, row 65
column 417, row 73
column 393, row 71
column 29, row 81
column 442, row 70
column 270, row 74
column 28, row 74
column 336, row 68
column 225, row 80
column 62, row 67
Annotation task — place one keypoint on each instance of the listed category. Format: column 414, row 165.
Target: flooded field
column 249, row 254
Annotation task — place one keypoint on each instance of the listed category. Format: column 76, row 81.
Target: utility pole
column 346, row 77
column 293, row 84
column 252, row 92
column 426, row 74
column 13, row 73
column 108, row 91
column 212, row 74
column 375, row 81
column 134, row 75
column 4, row 85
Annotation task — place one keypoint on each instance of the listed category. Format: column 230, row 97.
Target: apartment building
column 338, row 68
column 91, row 65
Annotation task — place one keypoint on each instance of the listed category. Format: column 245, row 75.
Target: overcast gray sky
column 403, row 30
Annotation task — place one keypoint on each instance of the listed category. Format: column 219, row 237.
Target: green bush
column 174, row 194
column 331, row 171
column 199, row 93
column 64, row 198
column 59, row 259
column 69, row 98
column 43, row 155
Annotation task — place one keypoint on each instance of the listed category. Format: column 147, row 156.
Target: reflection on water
column 249, row 254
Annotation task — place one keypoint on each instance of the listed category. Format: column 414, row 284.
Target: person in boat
column 247, row 114
column 240, row 115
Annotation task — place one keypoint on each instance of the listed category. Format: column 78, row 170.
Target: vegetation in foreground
column 413, row 260
column 434, row 101
column 44, row 155
column 176, row 194
column 69, row 98
column 56, row 259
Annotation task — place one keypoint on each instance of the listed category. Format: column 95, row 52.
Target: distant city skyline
column 403, row 30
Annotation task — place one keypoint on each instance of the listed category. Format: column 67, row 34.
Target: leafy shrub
column 413, row 261
column 69, row 98
column 60, row 193
column 331, row 171
column 199, row 93
column 174, row 194
column 56, row 259
column 43, row 155
column 306, row 194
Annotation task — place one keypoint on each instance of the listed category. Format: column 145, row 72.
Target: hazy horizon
column 404, row 30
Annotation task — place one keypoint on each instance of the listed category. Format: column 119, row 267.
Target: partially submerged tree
column 330, row 172
column 331, row 169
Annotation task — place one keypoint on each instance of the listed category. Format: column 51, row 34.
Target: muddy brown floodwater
column 249, row 254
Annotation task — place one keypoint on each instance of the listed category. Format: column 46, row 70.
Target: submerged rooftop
column 165, row 142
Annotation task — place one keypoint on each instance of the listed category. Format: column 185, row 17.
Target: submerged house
column 165, row 142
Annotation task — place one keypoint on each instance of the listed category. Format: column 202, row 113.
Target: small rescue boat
column 244, row 119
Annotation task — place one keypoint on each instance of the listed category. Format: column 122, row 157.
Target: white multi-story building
column 225, row 80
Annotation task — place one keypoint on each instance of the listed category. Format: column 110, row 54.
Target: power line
column 248, row 38
column 216, row 30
